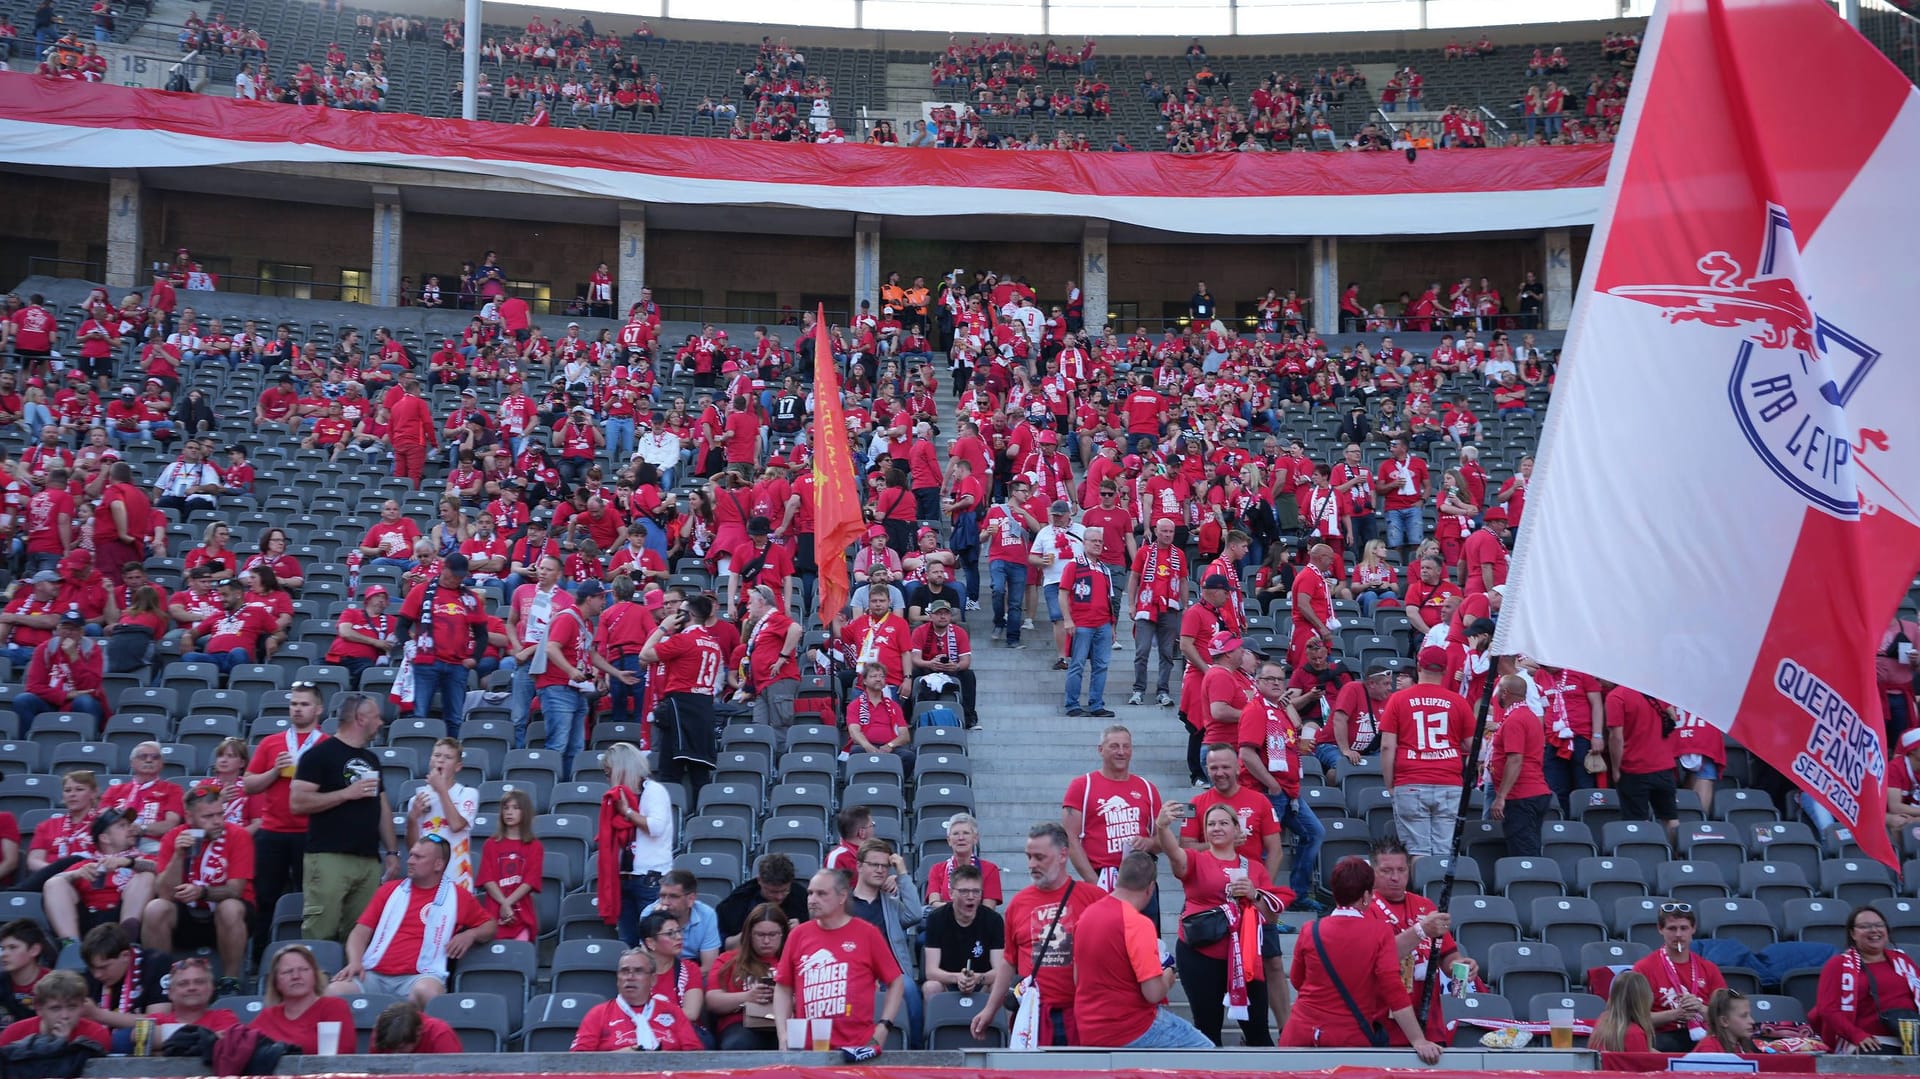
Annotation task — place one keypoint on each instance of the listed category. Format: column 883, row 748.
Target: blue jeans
column 1297, row 817
column 635, row 896
column 1404, row 527
column 619, row 438
column 449, row 680
column 520, row 703
column 1564, row 776
column 1091, row 645
column 625, row 700
column 1169, row 1031
column 27, row 706
column 565, row 711
column 1051, row 594
column 401, row 564
column 226, row 661
column 1009, row 582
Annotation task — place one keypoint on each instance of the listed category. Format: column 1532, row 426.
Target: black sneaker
column 1076, row 711
column 1059, row 664
column 1101, row 713
column 1306, row 905
column 228, row 987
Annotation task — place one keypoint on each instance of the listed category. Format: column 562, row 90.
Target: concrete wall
column 1154, row 275
column 1386, row 269
column 50, row 218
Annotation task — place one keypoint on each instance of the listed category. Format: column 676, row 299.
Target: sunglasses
column 304, row 684
column 1676, row 908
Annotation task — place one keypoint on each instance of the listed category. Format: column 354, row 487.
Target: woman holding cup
column 740, row 989
column 298, row 1010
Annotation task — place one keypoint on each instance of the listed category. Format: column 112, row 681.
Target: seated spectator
column 64, row 838
column 965, row 940
column 123, row 981
column 1683, row 980
column 1626, row 1026
column 772, row 883
column 108, row 883
column 510, row 870
column 213, row 549
column 639, row 1019
column 64, row 674
column 204, row 894
column 295, row 1004
column 1859, row 1018
column 883, row 894
column 443, row 809
column 680, row 979
column 365, row 636
column 1729, row 1024
column 404, row 1028
column 699, row 925
column 874, row 720
column 190, row 992
column 25, row 956
column 403, row 940
column 231, row 637
column 740, row 986
column 963, row 846
column 154, row 806
column 62, row 1004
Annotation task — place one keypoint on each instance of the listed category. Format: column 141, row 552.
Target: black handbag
column 1376, row 1033
column 1209, row 926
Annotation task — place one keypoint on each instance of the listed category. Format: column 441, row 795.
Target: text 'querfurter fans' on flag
column 1724, row 509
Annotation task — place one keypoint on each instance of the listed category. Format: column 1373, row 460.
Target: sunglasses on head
column 1676, row 908
column 304, row 684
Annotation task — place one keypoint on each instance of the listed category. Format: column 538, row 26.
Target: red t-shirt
column 1432, row 724
column 1089, row 594
column 1119, row 949
column 776, row 565
column 1483, row 548
column 1256, row 819
column 1644, row 748
column 403, row 955
column 693, row 661
column 1112, row 814
column 1028, row 916
column 1268, row 730
column 454, row 612
column 568, row 630
column 62, row 836
column 834, row 974
column 1410, row 478
column 1521, row 732
column 145, row 802
column 886, row 642
column 1143, row 408
column 1222, row 685
column 607, row 1027
column 1116, row 525
column 231, row 858
column 941, row 874
column 304, row 1031
column 275, row 816
column 881, row 721
column 1007, row 536
column 22, row 1029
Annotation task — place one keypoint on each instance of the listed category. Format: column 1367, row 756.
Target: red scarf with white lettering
column 1160, row 590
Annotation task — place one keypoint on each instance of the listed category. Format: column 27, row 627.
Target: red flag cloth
column 1740, row 553
column 837, row 522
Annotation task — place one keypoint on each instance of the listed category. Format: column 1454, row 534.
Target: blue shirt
column 701, row 932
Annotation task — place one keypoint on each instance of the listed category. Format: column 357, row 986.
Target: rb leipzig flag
column 838, row 523
column 1724, row 510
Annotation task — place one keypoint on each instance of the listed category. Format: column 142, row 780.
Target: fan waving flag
column 1724, row 509
column 837, row 522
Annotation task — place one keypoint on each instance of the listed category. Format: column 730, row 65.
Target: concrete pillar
column 631, row 275
column 1556, row 250
column 470, row 61
column 866, row 264
column 1325, row 286
column 123, row 269
column 387, row 262
column 1094, row 298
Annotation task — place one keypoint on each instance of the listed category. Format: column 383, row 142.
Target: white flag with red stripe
column 1724, row 509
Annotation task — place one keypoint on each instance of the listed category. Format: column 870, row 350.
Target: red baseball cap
column 1433, row 658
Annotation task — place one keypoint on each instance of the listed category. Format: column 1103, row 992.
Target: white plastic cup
column 797, row 1035
column 326, row 1038
column 167, row 1031
column 822, row 1035
column 197, row 833
column 1560, row 1027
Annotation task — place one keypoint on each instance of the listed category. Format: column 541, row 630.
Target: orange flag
column 837, row 523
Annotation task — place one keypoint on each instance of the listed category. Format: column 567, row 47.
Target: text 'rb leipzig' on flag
column 1723, row 514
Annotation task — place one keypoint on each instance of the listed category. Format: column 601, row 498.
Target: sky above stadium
column 1088, row 17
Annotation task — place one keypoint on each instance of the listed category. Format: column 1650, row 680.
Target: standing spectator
column 532, row 609
column 1402, row 481
column 1368, row 970
column 639, row 1018
column 1423, row 732
column 1853, row 1020
column 1042, row 920
column 635, row 848
column 123, row 523
column 1008, row 526
column 1641, row 750
column 1158, row 585
column 1521, row 794
column 1055, row 547
column 1683, row 980
column 772, row 659
column 1223, row 977
column 410, row 430
column 572, row 663
column 690, row 663
column 1088, row 624
column 1268, row 740
column 511, row 870
column 1120, row 977
column 446, row 622
column 296, row 1003
column 336, row 786
column 65, row 674
column 841, row 986
column 1108, row 812
column 403, row 940
column 280, row 843
column 1576, row 721
column 444, row 809
column 204, row 893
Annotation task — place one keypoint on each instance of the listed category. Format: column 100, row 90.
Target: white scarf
column 643, row 1035
column 438, row 920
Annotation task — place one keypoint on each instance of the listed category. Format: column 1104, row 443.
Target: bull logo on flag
column 1793, row 372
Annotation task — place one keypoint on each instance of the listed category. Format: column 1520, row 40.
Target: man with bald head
column 829, row 970
column 1312, row 603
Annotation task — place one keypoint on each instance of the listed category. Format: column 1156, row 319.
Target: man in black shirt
column 772, row 883
column 936, row 585
column 1201, row 305
column 123, row 980
column 336, row 786
column 965, row 939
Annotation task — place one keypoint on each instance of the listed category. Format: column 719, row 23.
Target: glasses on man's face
column 877, row 865
column 968, row 893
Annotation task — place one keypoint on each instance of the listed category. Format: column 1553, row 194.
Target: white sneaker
column 1027, row 624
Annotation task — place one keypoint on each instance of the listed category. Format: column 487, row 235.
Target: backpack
column 242, row 1050
column 44, row 1056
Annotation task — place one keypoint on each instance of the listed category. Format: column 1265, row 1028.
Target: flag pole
column 1459, row 829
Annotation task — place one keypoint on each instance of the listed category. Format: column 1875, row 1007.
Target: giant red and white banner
column 1723, row 513
column 58, row 123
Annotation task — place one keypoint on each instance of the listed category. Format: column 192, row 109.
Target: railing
column 47, row 266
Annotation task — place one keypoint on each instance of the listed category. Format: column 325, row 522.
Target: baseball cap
column 778, row 461
column 1060, row 506
column 939, row 605
column 104, row 820
column 1131, row 460
column 128, row 391
column 374, row 590
column 760, row 526
column 1217, row 580
column 587, row 590
column 73, row 618
column 1433, row 658
column 876, row 532
column 1494, row 514
column 1224, row 642
column 45, row 576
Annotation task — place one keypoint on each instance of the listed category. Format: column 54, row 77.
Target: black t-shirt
column 921, row 596
column 150, row 987
column 968, row 947
column 352, row 827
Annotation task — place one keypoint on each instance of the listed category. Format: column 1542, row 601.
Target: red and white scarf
column 211, row 867
column 1853, row 974
column 129, row 987
column 1280, row 732
column 1244, row 917
column 1159, row 594
column 439, row 920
